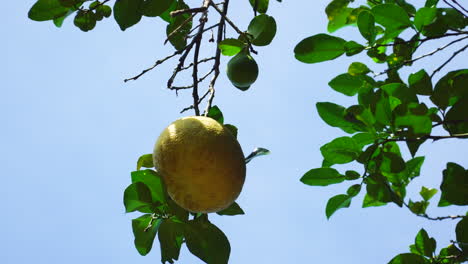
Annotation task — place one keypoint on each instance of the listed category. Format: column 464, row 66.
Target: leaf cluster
column 391, row 113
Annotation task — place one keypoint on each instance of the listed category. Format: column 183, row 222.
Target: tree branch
column 219, row 38
column 158, row 62
column 446, row 62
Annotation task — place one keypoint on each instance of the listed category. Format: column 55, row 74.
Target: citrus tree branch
column 450, row 59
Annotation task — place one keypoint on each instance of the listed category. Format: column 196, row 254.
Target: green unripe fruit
column 242, row 70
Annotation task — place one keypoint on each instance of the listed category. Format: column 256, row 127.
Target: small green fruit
column 242, row 70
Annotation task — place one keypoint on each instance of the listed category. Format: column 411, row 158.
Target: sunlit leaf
column 230, row 46
column 137, row 196
column 318, row 48
column 263, row 29
column 337, row 202
column 144, row 230
column 322, row 177
column 341, row 150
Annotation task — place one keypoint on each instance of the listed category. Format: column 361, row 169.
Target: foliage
column 390, row 112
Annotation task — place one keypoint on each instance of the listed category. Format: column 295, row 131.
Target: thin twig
column 199, row 101
column 458, row 4
column 434, row 138
column 407, row 62
column 189, row 10
column 456, row 9
column 440, row 218
column 158, row 62
column 179, row 66
column 178, row 28
column 420, row 40
column 219, row 38
column 191, row 86
column 206, row 29
column 227, row 19
column 434, row 51
column 197, row 40
column 446, row 62
column 200, row 61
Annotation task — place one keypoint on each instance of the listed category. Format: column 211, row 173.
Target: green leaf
column 58, row 22
column 230, row 46
column 418, row 208
column 452, row 18
column 382, row 108
column 127, row 13
column 413, row 167
column 334, row 115
column 418, row 124
column 145, row 161
column 346, row 84
column 366, row 26
column 341, row 150
column 178, row 38
column 354, row 190
column 461, row 230
column 207, row 242
column 431, row 3
column 454, row 185
column 391, row 16
column 171, row 235
column 427, row 193
column 136, row 197
column 353, row 48
column 153, row 8
column 337, row 202
column 352, row 175
column 457, row 117
column 233, row 129
column 263, row 29
column 392, row 163
column 450, row 88
column 408, row 258
column 359, row 113
column 166, row 16
column 318, row 48
column 260, row 6
column 104, row 10
column 450, row 250
column 340, row 20
column 145, row 233
column 153, row 181
column 370, row 201
column 179, row 214
column 69, row 3
column 44, row 10
column 337, row 13
column 420, row 82
column 216, row 114
column 233, row 209
column 424, row 244
column 413, row 146
column 322, row 177
column 364, row 139
column 425, row 16
column 358, row 68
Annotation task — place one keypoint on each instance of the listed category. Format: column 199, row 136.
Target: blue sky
column 73, row 130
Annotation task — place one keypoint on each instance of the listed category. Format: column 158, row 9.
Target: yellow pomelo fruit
column 201, row 163
column 242, row 70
